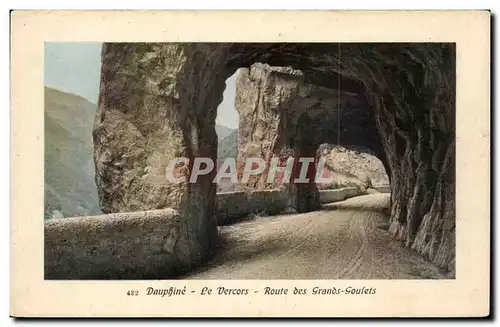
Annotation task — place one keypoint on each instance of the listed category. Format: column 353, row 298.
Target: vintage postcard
column 250, row 164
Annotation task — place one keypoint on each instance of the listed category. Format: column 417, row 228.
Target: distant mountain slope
column 352, row 166
column 69, row 168
column 223, row 131
column 228, row 146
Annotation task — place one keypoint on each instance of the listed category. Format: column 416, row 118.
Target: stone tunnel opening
column 282, row 115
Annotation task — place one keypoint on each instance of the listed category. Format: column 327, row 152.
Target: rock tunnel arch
column 158, row 101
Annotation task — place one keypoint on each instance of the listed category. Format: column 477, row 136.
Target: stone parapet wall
column 135, row 245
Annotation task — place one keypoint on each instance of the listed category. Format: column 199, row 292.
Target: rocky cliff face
column 223, row 131
column 70, row 187
column 158, row 101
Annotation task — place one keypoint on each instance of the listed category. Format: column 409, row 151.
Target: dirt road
column 346, row 240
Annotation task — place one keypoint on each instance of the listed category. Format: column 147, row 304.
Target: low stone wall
column 327, row 196
column 232, row 206
column 115, row 246
column 268, row 202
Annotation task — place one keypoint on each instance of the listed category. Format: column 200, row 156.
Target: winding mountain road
column 344, row 240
